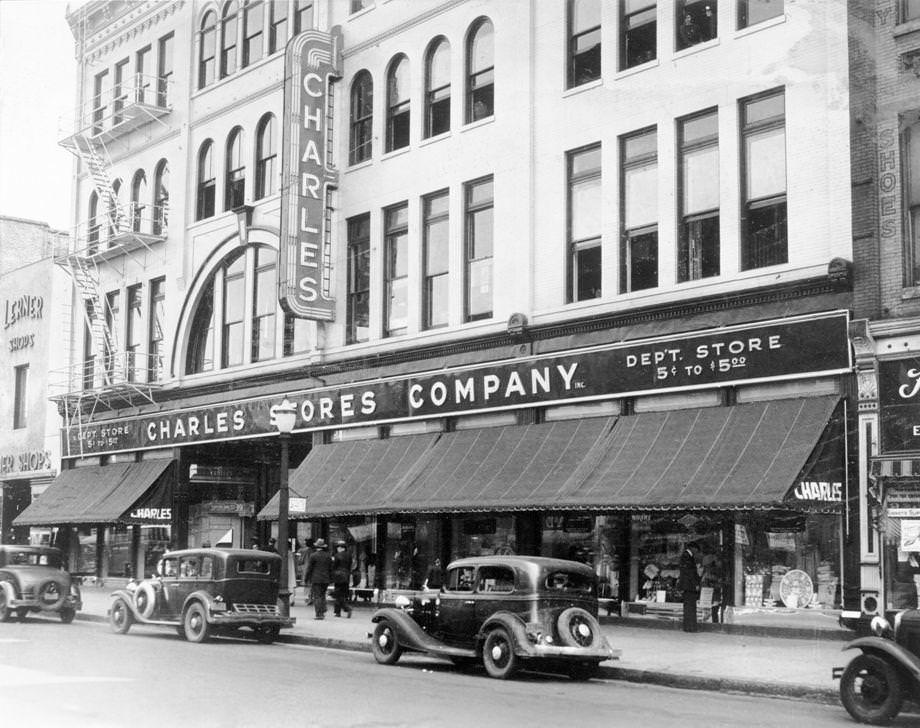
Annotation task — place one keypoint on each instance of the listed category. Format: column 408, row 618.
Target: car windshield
column 570, row 582
column 33, row 558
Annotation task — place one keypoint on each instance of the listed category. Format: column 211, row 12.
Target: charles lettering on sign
column 819, row 491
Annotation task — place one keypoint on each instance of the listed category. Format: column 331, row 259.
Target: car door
column 169, row 578
column 457, row 610
column 495, row 591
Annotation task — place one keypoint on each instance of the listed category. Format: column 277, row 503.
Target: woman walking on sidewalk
column 341, row 573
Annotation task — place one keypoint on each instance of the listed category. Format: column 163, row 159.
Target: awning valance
column 904, row 468
column 103, row 494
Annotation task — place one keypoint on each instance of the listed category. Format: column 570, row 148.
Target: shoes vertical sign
column 312, row 64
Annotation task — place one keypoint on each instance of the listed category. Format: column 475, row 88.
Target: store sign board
column 899, row 401
column 312, row 62
column 779, row 349
column 818, row 490
column 25, row 461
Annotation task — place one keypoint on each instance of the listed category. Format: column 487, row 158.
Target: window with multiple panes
column 435, row 260
column 142, row 72
column 296, row 335
column 120, row 91
column 763, row 181
column 156, row 353
column 92, row 224
column 165, row 69
column 696, row 22
column 698, row 238
column 362, row 117
column 266, row 157
column 910, row 10
column 100, row 107
column 253, row 16
column 228, row 39
column 911, row 176
column 264, row 303
column 234, row 312
column 478, row 232
column 303, row 15
column 20, row 395
column 89, row 349
column 207, row 50
column 277, row 26
column 201, row 339
column 357, row 314
column 584, row 223
column 207, row 182
column 480, row 71
column 161, row 198
column 138, row 195
column 751, row 12
column 114, row 209
column 639, row 186
column 235, row 182
column 638, row 30
column 584, row 57
column 396, row 270
column 398, row 104
column 133, row 332
column 111, row 325
column 437, row 88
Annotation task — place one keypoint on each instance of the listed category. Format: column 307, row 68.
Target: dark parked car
column 204, row 592
column 33, row 579
column 508, row 612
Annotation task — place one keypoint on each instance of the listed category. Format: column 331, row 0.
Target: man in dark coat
column 341, row 574
column 689, row 584
column 318, row 575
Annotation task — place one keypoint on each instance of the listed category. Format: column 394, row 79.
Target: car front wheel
column 498, row 655
column 385, row 644
column 68, row 614
column 5, row 612
column 870, row 690
column 120, row 617
column 267, row 633
column 21, row 614
column 196, row 624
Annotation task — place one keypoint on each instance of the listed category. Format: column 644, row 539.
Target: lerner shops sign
column 311, row 64
column 779, row 349
column 899, row 400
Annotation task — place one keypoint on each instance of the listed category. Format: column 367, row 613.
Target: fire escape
column 107, row 374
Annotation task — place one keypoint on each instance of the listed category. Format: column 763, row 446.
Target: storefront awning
column 895, row 468
column 748, row 455
column 102, row 494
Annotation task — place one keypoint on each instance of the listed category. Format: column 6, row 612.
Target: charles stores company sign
column 769, row 350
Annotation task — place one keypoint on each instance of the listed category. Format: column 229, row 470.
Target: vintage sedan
column 204, row 592
column 507, row 612
column 33, row 579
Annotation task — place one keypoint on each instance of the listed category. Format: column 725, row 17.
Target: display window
column 595, row 540
column 360, row 536
column 483, row 535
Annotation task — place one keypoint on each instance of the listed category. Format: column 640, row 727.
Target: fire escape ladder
column 108, row 361
column 95, row 158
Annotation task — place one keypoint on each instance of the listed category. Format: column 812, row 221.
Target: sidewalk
column 766, row 663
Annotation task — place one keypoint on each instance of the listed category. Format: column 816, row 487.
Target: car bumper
column 34, row 603
column 560, row 652
column 249, row 617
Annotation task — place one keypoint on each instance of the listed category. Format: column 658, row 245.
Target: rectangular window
column 303, row 15
column 751, row 12
column 120, row 91
column 112, row 312
column 296, row 335
column 228, row 43
column 20, row 394
column 133, row 332
column 278, row 26
column 99, row 100
column 234, row 313
column 358, row 5
column 584, row 41
column 638, row 30
column 264, row 304
column 89, row 351
column 698, row 243
column 478, row 231
column 396, row 270
column 359, row 280
column 165, row 69
column 436, row 260
column 253, row 15
column 584, row 223
column 155, row 346
column 207, row 60
column 639, row 185
column 911, row 175
column 763, row 222
column 142, row 72
column 696, row 22
column 910, row 10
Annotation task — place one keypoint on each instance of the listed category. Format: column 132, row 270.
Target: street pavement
column 774, row 662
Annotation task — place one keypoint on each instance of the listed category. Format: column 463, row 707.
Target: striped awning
column 891, row 467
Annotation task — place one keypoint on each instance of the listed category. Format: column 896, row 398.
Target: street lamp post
column 285, row 415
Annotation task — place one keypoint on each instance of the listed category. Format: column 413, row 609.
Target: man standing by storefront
column 341, row 574
column 689, row 584
column 318, row 575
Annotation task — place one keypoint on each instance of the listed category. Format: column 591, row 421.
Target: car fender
column 128, row 598
column 412, row 637
column 199, row 596
column 515, row 627
column 888, row 650
column 8, row 590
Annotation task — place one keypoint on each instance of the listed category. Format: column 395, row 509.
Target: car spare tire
column 51, row 595
column 145, row 599
column 578, row 628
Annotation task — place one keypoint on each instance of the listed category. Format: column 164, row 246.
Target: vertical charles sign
column 312, row 63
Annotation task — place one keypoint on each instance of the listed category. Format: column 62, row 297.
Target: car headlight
column 880, row 626
column 402, row 601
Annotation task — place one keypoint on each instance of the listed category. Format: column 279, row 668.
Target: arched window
column 92, row 224
column 138, row 195
column 266, row 157
column 207, row 49
column 362, row 117
column 161, row 198
column 398, row 104
column 238, row 315
column 437, row 88
column 207, row 182
column 480, row 71
column 115, row 210
column 235, row 183
column 228, row 39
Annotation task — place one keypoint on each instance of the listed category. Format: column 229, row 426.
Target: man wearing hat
column 341, row 573
column 318, row 575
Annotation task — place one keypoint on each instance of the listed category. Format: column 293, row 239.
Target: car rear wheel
column 870, row 690
column 577, row 628
column 68, row 614
column 120, row 617
column 196, row 624
column 385, row 644
column 5, row 612
column 498, row 655
column 267, row 633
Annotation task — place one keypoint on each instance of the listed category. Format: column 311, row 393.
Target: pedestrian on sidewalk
column 689, row 583
column 318, row 575
column 341, row 572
